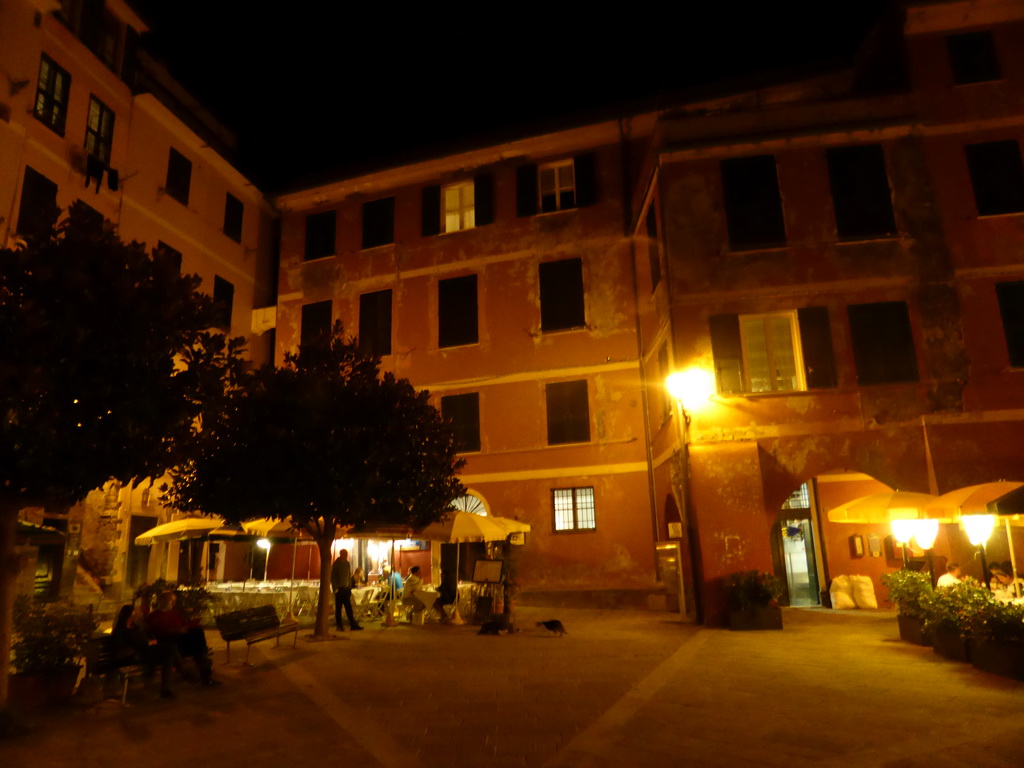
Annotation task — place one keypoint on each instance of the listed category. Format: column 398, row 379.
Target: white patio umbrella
column 882, row 507
column 177, row 530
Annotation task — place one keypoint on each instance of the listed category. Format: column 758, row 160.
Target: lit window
column 798, row 499
column 771, row 352
column 574, row 509
column 52, row 94
column 459, row 209
column 557, row 184
column 99, row 130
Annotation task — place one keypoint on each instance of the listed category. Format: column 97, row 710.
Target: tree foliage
column 106, row 364
column 329, row 441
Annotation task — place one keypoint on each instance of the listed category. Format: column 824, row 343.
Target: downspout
column 627, row 208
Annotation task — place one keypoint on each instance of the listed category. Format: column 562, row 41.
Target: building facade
column 86, row 115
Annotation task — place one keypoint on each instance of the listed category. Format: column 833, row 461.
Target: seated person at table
column 168, row 624
column 358, row 578
column 389, row 581
column 447, row 595
column 950, row 577
column 1003, row 584
column 133, row 646
column 413, row 583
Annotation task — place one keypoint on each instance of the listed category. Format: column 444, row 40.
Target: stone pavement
column 622, row 689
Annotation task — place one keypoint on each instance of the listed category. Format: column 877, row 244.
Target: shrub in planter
column 950, row 613
column 908, row 591
column 753, row 600
column 49, row 641
column 997, row 639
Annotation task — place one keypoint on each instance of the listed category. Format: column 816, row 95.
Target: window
column 375, row 323
column 561, row 295
column 883, row 344
column 568, row 412
column 653, row 247
column 860, row 192
column 753, row 204
column 179, row 176
column 38, row 210
column 973, row 57
column 457, row 311
column 169, row 255
column 52, row 94
column 99, row 130
column 464, row 413
column 320, row 235
column 223, row 299
column 555, row 186
column 997, row 176
column 459, row 207
column 775, row 352
column 234, row 211
column 1011, row 308
column 454, row 207
column 379, row 222
column 316, row 321
column 574, row 509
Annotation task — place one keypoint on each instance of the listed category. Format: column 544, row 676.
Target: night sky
column 338, row 87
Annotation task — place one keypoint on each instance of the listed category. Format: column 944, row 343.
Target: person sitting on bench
column 169, row 624
column 132, row 645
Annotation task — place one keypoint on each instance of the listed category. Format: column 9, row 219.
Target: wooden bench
column 254, row 625
column 101, row 661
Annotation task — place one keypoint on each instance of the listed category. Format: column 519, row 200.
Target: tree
column 328, row 441
column 106, row 361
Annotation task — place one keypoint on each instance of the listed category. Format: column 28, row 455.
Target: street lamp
column 691, row 388
column 264, row 544
column 978, row 528
column 902, row 532
column 925, row 532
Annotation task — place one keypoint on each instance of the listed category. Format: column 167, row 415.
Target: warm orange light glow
column 902, row 530
column 925, row 532
column 978, row 527
column 692, row 387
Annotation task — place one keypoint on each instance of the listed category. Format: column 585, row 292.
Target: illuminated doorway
column 795, row 545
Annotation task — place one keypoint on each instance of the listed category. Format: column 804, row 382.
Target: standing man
column 341, row 583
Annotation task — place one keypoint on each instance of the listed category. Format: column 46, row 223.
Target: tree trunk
column 8, row 580
column 323, row 608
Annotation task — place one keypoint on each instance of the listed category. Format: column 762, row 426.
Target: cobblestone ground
column 621, row 689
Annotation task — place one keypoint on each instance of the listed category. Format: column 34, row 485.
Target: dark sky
column 317, row 86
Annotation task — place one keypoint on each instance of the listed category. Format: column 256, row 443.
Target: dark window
column 375, row 322
column 883, row 344
column 1011, row 307
column 483, row 185
column 179, row 176
column 574, row 509
column 556, row 186
column 860, row 192
column 52, row 91
column 99, row 130
column 169, row 255
column 431, row 208
column 234, row 210
column 653, row 249
column 763, row 353
column 568, row 412
column 38, row 210
column 130, row 60
column 753, row 204
column 997, row 176
column 223, row 299
column 457, row 311
column 316, row 321
column 561, row 295
column 973, row 57
column 378, row 222
column 464, row 413
column 320, row 234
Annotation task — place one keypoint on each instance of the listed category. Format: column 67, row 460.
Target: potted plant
column 753, row 600
column 997, row 639
column 49, row 642
column 949, row 614
column 908, row 591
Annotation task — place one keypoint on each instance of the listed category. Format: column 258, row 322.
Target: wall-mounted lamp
column 692, row 388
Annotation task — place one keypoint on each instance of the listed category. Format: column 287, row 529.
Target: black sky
column 316, row 86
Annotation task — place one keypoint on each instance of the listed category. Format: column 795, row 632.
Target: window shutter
column 1011, row 309
column 883, row 343
column 727, row 350
column 816, row 345
column 526, row 190
column 586, row 180
column 483, row 198
column 431, row 210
